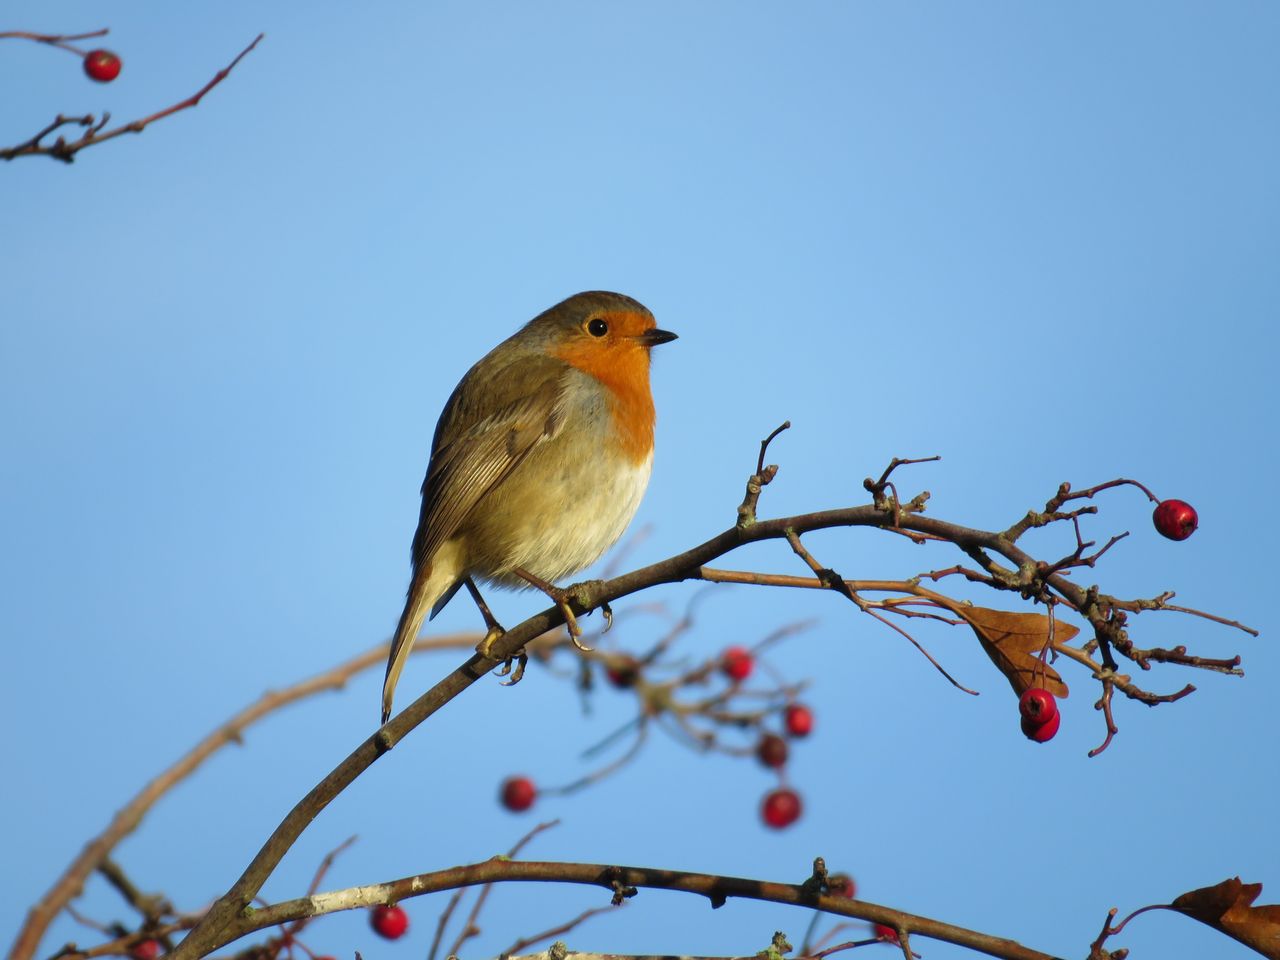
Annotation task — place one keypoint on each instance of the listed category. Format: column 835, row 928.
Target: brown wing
column 481, row 455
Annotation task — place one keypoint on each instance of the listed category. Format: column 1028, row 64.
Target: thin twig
column 60, row 40
column 66, row 151
column 131, row 814
column 469, row 928
column 525, row 943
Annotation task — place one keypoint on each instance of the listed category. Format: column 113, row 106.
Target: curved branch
column 1024, row 575
column 616, row 878
column 127, row 819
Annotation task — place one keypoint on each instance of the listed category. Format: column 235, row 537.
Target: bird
column 539, row 461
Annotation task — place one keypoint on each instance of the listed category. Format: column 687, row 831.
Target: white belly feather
column 557, row 547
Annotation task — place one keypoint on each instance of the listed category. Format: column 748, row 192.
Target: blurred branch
column 95, row 853
column 60, row 40
column 470, row 927
column 524, row 943
column 94, row 132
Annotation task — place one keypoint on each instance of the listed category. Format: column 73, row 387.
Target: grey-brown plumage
column 539, row 459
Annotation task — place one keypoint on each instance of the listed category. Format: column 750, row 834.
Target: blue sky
column 1039, row 240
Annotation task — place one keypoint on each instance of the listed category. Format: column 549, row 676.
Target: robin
column 539, row 462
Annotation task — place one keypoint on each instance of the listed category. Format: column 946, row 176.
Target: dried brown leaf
column 1013, row 641
column 1228, row 907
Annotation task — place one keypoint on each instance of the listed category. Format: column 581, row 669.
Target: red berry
column 1037, row 706
column 772, row 750
column 622, row 672
column 799, row 720
column 781, row 808
column 736, row 663
column 389, row 921
column 518, row 793
column 884, row 932
column 1040, row 732
column 1175, row 519
column 146, row 950
column 102, row 65
column 841, row 885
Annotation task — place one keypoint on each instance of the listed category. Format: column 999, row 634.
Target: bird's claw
column 607, row 611
column 522, row 661
column 571, row 622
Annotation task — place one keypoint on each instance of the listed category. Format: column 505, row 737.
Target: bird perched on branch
column 539, row 462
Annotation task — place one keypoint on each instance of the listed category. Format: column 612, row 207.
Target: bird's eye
column 597, row 327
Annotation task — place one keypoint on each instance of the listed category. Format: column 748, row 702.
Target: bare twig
column 64, row 150
column 759, row 480
column 442, row 924
column 469, row 928
column 524, row 943
column 131, row 814
column 60, row 40
column 151, row 906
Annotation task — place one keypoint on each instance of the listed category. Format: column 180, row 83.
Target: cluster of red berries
column 102, row 65
column 772, row 750
column 1040, row 716
column 783, row 806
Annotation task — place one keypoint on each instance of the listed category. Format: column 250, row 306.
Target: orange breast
column 622, row 367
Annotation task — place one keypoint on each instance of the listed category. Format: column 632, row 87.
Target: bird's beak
column 651, row 338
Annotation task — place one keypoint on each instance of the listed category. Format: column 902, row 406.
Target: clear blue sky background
column 1040, row 240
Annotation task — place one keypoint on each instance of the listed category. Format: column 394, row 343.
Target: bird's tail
column 423, row 592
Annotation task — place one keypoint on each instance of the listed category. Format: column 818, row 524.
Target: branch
column 623, row 881
column 95, row 853
column 64, row 150
column 1023, row 575
column 525, row 943
column 469, row 928
column 59, row 40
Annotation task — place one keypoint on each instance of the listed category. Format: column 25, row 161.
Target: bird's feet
column 574, row 595
column 563, row 599
column 520, row 659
